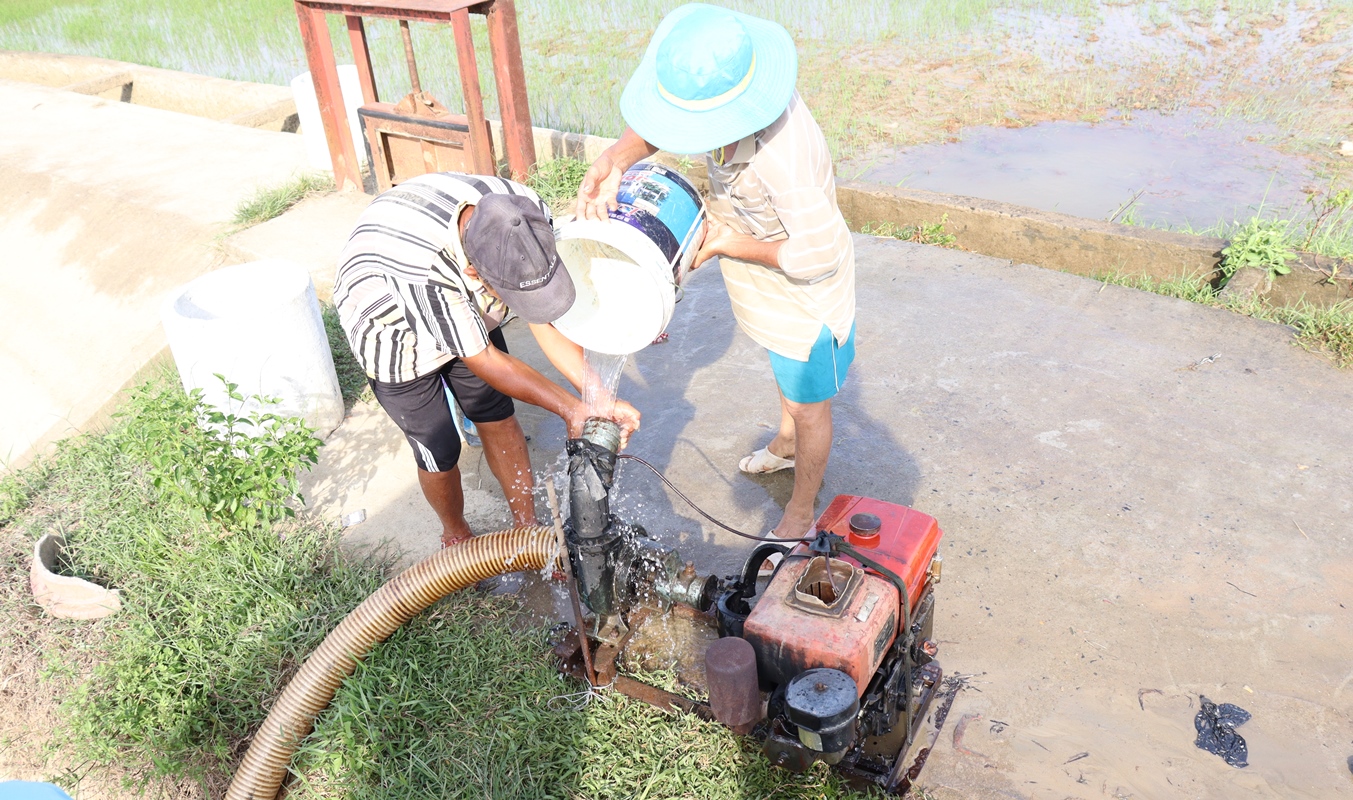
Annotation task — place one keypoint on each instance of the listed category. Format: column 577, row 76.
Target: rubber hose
column 312, row 689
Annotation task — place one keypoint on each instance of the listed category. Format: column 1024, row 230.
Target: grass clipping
column 461, row 702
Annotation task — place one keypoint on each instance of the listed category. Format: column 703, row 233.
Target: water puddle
column 1184, row 170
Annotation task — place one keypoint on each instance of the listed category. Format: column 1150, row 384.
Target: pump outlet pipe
column 312, row 689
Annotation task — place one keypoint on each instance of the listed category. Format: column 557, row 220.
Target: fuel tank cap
column 864, row 528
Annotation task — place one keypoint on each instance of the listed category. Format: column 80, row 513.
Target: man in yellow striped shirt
column 721, row 83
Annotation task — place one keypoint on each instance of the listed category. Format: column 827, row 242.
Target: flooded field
column 1183, row 170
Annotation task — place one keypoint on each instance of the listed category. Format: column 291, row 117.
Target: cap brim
column 678, row 130
column 545, row 303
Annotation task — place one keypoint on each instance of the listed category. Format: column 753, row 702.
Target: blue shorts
column 821, row 376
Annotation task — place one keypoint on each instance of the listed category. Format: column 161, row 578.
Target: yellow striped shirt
column 778, row 184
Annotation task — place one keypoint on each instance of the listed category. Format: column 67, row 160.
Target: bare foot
column 794, row 526
column 452, row 541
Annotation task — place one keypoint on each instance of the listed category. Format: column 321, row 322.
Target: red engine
column 842, row 636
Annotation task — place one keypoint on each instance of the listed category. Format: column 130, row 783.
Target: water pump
column 828, row 657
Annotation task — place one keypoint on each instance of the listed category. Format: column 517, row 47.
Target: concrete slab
column 107, row 207
column 1127, row 524
column 312, row 233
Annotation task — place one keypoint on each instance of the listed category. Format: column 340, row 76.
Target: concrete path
column 1126, row 528
column 106, row 207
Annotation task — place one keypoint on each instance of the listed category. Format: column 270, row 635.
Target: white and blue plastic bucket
column 628, row 269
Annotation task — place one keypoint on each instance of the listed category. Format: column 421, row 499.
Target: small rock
column 1247, row 282
column 1346, row 149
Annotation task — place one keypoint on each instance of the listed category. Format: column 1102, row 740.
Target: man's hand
column 596, row 195
column 722, row 240
column 718, row 238
column 628, row 418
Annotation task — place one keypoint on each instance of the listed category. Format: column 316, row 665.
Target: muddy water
column 1185, row 170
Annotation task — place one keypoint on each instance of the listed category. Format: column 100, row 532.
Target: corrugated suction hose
column 310, row 692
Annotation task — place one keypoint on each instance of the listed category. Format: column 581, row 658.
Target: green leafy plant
column 931, row 233
column 1265, row 244
column 238, row 469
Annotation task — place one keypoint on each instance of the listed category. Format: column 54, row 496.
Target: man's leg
column 444, row 494
column 812, row 444
column 504, row 444
column 784, row 442
column 505, row 450
column 419, row 407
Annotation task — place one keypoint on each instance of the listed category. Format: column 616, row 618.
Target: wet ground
column 1126, row 528
column 1183, row 170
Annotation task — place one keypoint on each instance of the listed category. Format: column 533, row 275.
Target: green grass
column 932, row 233
column 352, row 379
column 557, row 181
column 14, row 11
column 1319, row 329
column 461, row 702
column 273, row 202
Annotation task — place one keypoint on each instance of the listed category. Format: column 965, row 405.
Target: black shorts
column 422, row 410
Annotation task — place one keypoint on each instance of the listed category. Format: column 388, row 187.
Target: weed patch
column 1259, row 243
column 461, row 702
column 352, row 379
column 1326, row 330
column 211, row 626
column 269, row 203
column 557, row 182
column 931, row 233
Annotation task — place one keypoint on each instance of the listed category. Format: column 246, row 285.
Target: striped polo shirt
column 779, row 184
column 405, row 303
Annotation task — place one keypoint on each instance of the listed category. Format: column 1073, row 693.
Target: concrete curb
column 253, row 105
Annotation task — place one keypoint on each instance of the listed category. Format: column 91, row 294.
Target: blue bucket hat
column 710, row 77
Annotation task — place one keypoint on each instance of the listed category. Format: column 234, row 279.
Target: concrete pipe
column 310, row 692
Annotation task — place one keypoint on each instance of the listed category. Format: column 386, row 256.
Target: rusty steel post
column 480, row 152
column 505, row 46
column 319, row 55
column 408, row 56
column 362, row 56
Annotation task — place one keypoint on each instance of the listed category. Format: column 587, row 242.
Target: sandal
column 764, row 462
column 773, row 560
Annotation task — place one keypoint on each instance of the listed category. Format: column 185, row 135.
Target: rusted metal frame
column 362, row 56
column 481, row 149
column 319, row 55
column 408, row 56
column 505, row 46
column 662, row 698
column 420, row 10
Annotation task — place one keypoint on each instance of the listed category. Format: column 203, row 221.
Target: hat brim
column 545, row 303
column 677, row 130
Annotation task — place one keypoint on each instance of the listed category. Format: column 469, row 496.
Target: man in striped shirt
column 423, row 285
column 717, row 82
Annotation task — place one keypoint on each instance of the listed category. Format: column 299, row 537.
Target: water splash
column 600, row 381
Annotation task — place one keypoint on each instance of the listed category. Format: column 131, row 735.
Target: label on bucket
column 663, row 206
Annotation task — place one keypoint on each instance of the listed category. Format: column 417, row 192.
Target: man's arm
column 567, row 357
column 516, row 379
column 565, row 354
column 596, row 195
column 721, row 240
